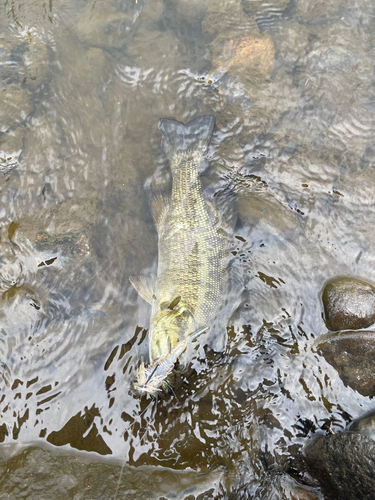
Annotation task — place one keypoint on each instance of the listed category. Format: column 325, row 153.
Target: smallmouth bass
column 187, row 293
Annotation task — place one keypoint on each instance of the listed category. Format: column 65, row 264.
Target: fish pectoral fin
column 174, row 302
column 145, row 285
column 159, row 206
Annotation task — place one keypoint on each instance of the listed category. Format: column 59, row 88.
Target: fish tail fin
column 191, row 137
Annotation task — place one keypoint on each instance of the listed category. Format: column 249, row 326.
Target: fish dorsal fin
column 159, row 206
column 145, row 285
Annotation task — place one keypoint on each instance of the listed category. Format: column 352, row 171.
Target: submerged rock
column 312, row 10
column 102, row 25
column 150, row 45
column 191, row 11
column 236, row 52
column 352, row 354
column 15, row 107
column 291, row 42
column 344, row 465
column 11, row 146
column 50, row 474
column 365, row 425
column 12, row 69
column 225, row 16
column 257, row 7
column 35, row 59
column 349, row 304
column 55, row 236
column 334, row 73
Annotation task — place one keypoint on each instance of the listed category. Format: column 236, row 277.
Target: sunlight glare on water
column 83, row 86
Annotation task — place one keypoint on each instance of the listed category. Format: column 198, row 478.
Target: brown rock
column 234, row 53
column 349, row 304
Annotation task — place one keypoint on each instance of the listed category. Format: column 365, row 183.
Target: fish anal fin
column 159, row 206
column 145, row 285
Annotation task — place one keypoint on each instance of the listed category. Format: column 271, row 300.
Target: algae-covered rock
column 349, row 304
column 344, row 465
column 352, row 354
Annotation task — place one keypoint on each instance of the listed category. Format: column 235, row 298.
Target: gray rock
column 352, row 354
column 349, row 304
column 365, row 425
column 344, row 465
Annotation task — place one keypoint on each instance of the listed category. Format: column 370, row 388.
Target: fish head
column 167, row 328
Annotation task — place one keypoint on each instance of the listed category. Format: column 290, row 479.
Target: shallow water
column 84, row 85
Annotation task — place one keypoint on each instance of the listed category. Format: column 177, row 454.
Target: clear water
column 83, row 86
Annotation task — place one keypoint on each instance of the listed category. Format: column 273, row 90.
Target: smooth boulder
column 349, row 304
column 352, row 354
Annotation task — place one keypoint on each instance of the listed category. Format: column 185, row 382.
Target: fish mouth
column 155, row 379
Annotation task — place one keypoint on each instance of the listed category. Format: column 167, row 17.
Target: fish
column 188, row 290
column 152, row 380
